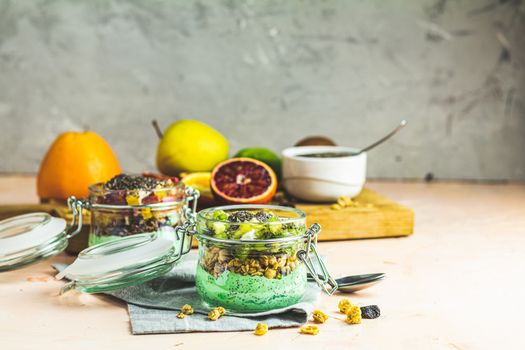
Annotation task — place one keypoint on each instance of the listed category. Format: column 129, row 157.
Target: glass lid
column 29, row 238
column 111, row 265
column 121, row 263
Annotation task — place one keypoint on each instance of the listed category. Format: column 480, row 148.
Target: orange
column 74, row 161
column 200, row 181
column 243, row 181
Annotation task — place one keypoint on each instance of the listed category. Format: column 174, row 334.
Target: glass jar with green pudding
column 255, row 257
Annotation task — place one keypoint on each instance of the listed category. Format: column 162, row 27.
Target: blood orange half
column 243, row 181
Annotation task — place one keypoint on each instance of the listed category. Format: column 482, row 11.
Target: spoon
column 367, row 148
column 380, row 141
column 350, row 284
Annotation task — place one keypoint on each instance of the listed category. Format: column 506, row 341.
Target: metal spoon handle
column 389, row 135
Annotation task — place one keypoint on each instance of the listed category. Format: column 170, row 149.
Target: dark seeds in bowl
column 326, row 155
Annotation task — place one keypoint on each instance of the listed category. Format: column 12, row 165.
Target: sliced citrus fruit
column 200, row 181
column 264, row 155
column 242, row 181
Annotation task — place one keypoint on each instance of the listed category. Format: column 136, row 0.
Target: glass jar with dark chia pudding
column 253, row 257
column 131, row 204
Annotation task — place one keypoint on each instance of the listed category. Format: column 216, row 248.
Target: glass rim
column 154, row 206
column 98, row 188
column 28, row 256
column 202, row 237
column 24, row 222
column 301, row 215
column 130, row 273
column 122, row 244
column 298, row 152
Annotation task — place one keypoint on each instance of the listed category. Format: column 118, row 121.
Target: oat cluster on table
column 309, row 329
column 261, row 329
column 216, row 313
column 347, row 202
column 319, row 316
column 352, row 312
column 185, row 310
column 343, row 305
column 353, row 315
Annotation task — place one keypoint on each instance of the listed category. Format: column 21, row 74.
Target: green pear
column 190, row 146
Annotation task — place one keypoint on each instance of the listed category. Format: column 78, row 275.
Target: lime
column 264, row 155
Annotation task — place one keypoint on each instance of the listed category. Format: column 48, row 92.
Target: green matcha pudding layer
column 251, row 293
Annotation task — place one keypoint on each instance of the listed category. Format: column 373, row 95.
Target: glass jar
column 111, row 265
column 253, row 266
column 120, row 213
column 29, row 238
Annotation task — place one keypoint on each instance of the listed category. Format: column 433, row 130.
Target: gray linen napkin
column 153, row 306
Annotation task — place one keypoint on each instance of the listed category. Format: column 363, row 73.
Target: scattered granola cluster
column 319, row 316
column 261, row 329
column 352, row 312
column 344, row 305
column 347, row 202
column 216, row 313
column 217, row 260
column 309, row 329
column 213, row 315
column 353, row 315
column 185, row 310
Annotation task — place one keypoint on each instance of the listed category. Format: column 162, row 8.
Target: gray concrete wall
column 268, row 73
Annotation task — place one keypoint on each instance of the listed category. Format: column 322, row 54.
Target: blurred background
column 268, row 73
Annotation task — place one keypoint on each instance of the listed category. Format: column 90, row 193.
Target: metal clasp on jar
column 322, row 278
column 76, row 206
column 187, row 229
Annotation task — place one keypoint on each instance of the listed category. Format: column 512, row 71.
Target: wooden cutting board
column 372, row 216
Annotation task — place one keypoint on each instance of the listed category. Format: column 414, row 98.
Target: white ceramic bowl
column 323, row 179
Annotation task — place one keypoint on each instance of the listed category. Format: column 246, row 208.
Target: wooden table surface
column 457, row 283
